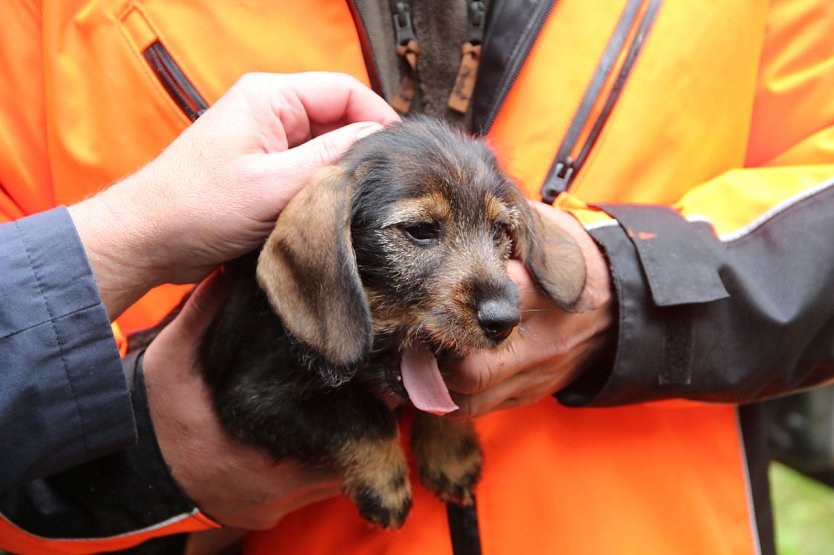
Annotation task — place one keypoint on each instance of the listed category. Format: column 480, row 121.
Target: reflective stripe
column 766, row 216
column 16, row 540
column 775, row 211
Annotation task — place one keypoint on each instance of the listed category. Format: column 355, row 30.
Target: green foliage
column 803, row 513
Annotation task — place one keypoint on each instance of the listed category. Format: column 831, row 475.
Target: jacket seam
column 43, row 322
column 59, row 342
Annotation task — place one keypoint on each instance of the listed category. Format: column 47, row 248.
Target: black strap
column 463, row 529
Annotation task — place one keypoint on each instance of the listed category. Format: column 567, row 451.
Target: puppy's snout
column 497, row 318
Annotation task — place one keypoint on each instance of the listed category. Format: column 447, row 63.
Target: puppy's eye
column 500, row 231
column 423, row 234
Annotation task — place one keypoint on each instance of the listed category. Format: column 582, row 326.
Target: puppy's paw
column 376, row 479
column 453, row 478
column 449, row 457
column 388, row 508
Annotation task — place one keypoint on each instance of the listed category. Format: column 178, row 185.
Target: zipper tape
column 174, row 81
column 564, row 169
column 631, row 58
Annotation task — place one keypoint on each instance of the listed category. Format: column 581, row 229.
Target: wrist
column 121, row 246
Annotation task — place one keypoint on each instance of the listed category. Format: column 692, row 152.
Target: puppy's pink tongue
column 423, row 382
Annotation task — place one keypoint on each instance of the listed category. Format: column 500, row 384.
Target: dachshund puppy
column 382, row 266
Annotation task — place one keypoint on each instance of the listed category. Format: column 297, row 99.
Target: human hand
column 549, row 347
column 215, row 192
column 235, row 484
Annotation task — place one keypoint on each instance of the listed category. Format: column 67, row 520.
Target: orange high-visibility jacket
column 694, row 140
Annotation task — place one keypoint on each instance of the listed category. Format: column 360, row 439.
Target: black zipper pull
column 470, row 59
column 408, row 50
column 402, row 22
column 477, row 20
column 559, row 179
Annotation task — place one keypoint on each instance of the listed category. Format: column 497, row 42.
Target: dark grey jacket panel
column 733, row 320
column 63, row 397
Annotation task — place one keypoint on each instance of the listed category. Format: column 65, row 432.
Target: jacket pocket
column 169, row 74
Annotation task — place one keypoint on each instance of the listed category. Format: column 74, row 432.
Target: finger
column 533, row 299
column 296, row 166
column 201, row 305
column 326, row 149
column 330, row 98
column 314, row 103
column 489, row 400
column 518, row 390
column 482, row 370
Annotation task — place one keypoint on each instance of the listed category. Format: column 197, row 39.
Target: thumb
column 201, row 305
column 175, row 346
column 325, row 150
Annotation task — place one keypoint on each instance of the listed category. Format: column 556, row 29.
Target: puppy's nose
column 497, row 318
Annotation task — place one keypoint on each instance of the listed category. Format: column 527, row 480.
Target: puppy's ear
column 308, row 270
column 550, row 255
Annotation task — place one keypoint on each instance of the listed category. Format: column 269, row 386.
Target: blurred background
column 803, row 513
column 802, row 481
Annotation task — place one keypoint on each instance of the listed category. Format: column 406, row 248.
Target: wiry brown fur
column 404, row 244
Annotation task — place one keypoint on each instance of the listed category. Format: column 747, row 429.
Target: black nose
column 497, row 318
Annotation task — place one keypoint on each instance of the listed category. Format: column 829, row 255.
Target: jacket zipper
column 174, row 81
column 520, row 58
column 367, row 50
column 565, row 168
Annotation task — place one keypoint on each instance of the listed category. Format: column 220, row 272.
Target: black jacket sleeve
column 734, row 319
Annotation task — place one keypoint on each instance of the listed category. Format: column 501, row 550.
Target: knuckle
column 327, row 152
column 467, row 408
column 484, row 378
column 245, row 81
column 347, row 80
column 473, row 376
column 251, row 79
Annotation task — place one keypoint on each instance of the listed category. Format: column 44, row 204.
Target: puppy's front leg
column 376, row 478
column 448, row 456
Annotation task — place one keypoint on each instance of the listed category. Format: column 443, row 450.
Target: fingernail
column 367, row 129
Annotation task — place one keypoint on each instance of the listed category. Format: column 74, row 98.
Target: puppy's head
column 408, row 238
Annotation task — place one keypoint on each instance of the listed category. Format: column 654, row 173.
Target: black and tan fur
column 405, row 241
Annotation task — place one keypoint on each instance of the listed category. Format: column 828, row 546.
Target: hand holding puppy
column 211, row 196
column 215, row 192
column 235, row 484
column 550, row 346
